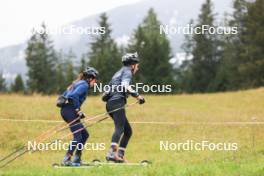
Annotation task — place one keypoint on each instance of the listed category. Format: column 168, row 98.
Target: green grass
column 194, row 115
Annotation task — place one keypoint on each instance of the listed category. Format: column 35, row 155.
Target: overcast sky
column 18, row 17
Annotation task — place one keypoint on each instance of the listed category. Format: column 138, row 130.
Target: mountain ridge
column 168, row 11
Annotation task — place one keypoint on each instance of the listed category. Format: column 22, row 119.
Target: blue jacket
column 78, row 93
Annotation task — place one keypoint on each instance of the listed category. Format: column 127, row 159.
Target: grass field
column 198, row 117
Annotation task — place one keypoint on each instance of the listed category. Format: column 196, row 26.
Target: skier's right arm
column 126, row 79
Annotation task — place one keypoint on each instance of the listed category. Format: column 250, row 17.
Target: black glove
column 81, row 114
column 141, row 100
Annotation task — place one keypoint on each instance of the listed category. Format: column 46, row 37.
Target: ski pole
column 40, row 138
column 10, row 154
column 101, row 115
column 16, row 156
column 98, row 121
column 74, row 132
column 54, row 132
column 71, row 133
column 89, row 125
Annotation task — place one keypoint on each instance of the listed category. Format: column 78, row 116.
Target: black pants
column 122, row 126
column 69, row 114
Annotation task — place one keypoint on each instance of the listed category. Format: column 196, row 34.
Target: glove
column 141, row 100
column 81, row 114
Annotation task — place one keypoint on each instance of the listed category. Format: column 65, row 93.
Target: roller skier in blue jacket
column 76, row 94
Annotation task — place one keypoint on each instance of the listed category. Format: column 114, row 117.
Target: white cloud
column 17, row 18
column 179, row 58
column 123, row 40
column 173, row 19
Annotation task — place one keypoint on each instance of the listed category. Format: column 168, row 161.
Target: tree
column 2, row 83
column 183, row 72
column 154, row 52
column 18, row 85
column 70, row 74
column 41, row 61
column 65, row 71
column 60, row 79
column 83, row 64
column 228, row 76
column 252, row 60
column 104, row 55
column 205, row 54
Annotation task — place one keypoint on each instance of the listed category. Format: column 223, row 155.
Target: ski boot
column 66, row 160
column 121, row 154
column 77, row 160
column 113, row 156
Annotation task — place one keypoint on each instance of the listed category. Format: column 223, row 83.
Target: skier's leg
column 78, row 153
column 77, row 137
column 119, row 121
column 125, row 139
column 68, row 114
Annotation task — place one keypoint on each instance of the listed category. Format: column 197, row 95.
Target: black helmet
column 90, row 72
column 130, row 58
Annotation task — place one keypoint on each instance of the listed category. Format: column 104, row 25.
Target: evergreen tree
column 104, row 55
column 65, row 72
column 70, row 74
column 18, row 85
column 252, row 60
column 83, row 64
column 205, row 61
column 60, row 79
column 228, row 76
column 2, row 83
column 41, row 61
column 183, row 72
column 154, row 52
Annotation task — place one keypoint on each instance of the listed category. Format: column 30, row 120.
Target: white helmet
column 130, row 58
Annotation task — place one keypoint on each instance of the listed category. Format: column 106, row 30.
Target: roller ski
column 71, row 164
column 116, row 157
column 76, row 162
column 97, row 162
